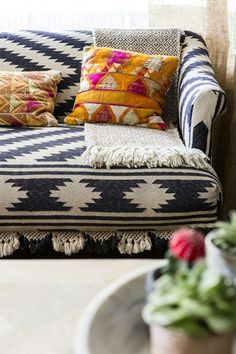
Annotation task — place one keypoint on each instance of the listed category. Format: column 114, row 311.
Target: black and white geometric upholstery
column 45, row 184
column 46, row 188
column 201, row 99
column 36, row 51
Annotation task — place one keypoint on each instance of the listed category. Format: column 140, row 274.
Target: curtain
column 56, row 15
column 216, row 21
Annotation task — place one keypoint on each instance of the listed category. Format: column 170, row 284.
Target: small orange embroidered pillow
column 122, row 87
column 26, row 98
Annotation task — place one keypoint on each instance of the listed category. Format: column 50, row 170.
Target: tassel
column 37, row 241
column 68, row 242
column 151, row 157
column 101, row 242
column 129, row 246
column 133, row 242
column 9, row 242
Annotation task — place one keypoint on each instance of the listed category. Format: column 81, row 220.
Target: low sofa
column 51, row 201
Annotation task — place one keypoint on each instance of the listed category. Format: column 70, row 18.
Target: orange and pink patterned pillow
column 122, row 87
column 27, row 98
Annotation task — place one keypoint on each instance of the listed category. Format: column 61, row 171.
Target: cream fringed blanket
column 116, row 145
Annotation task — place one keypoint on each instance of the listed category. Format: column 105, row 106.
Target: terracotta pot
column 164, row 341
column 220, row 260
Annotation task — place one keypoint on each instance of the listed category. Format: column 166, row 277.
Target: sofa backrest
column 37, row 50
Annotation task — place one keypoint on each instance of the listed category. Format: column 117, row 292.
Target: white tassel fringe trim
column 9, row 242
column 68, row 242
column 71, row 242
column 134, row 242
column 133, row 157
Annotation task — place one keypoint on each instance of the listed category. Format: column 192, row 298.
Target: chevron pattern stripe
column 37, row 51
column 201, row 99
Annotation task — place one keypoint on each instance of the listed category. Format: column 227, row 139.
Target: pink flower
column 187, row 244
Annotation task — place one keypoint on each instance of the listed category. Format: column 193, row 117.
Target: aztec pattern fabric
column 40, row 51
column 151, row 41
column 201, row 99
column 26, row 98
column 122, row 87
column 45, row 185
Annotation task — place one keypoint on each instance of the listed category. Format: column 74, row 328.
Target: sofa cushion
column 27, row 98
column 165, row 41
column 122, row 87
column 45, row 185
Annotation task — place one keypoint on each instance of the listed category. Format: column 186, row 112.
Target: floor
column 41, row 301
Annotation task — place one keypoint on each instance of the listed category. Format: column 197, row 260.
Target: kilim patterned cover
column 164, row 41
column 122, row 87
column 27, row 98
column 46, row 187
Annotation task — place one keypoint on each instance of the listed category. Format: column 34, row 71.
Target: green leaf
column 191, row 328
column 210, row 283
column 219, row 323
column 171, row 299
column 167, row 316
column 222, row 304
column 196, row 308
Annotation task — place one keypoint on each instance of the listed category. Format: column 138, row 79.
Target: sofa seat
column 45, row 185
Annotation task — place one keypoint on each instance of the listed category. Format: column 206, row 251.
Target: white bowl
column 112, row 324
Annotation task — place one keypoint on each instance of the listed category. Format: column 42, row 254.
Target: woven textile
column 201, row 99
column 46, row 188
column 73, row 242
column 45, row 185
column 109, row 145
column 122, row 87
column 40, row 51
column 26, row 98
column 150, row 41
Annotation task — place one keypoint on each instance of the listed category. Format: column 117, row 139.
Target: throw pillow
column 122, row 87
column 26, row 98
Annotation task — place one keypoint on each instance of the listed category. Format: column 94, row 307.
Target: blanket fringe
column 36, row 241
column 95, row 242
column 9, row 242
column 68, row 242
column 133, row 157
column 134, row 242
column 165, row 235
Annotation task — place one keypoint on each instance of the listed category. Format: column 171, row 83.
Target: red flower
column 187, row 244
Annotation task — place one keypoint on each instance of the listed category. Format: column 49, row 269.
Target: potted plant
column 221, row 247
column 192, row 309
